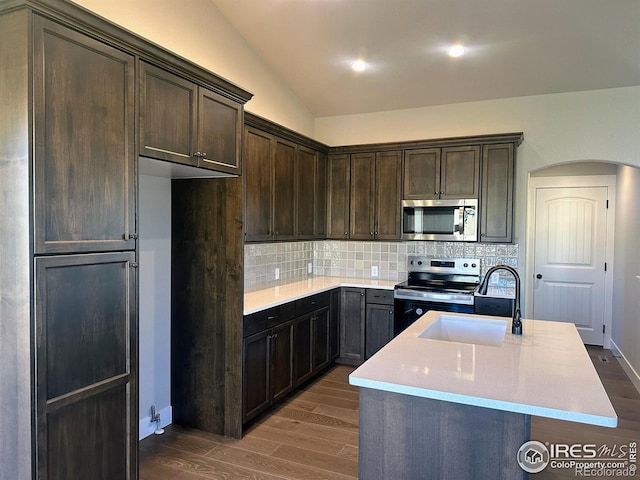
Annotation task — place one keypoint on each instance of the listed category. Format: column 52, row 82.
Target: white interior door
column 569, row 258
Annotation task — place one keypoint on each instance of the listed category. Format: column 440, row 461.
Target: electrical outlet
column 277, row 274
column 374, row 271
column 309, row 267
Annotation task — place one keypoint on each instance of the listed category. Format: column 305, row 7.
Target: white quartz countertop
column 279, row 294
column 546, row 372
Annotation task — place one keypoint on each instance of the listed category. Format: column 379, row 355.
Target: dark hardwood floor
column 314, row 435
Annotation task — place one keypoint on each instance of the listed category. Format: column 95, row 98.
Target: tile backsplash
column 354, row 259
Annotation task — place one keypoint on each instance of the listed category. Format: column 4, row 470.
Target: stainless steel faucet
column 516, row 324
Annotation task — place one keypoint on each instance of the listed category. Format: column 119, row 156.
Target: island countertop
column 546, row 372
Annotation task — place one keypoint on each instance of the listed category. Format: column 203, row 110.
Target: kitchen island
column 436, row 408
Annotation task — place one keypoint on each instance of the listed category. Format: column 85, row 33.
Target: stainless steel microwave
column 440, row 220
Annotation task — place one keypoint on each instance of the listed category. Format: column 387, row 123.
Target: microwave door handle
column 460, row 220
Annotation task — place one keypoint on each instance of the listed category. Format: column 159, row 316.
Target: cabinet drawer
column 312, row 303
column 269, row 318
column 375, row 295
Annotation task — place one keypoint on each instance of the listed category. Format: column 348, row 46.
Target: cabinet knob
column 203, row 155
column 539, row 276
column 133, row 236
column 346, row 233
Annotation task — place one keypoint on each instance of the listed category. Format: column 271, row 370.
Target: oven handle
column 403, row 294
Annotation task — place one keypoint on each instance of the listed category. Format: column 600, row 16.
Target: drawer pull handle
column 272, row 317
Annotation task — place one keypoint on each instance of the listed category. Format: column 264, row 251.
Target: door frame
column 535, row 183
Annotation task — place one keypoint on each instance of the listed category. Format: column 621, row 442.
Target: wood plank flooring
column 313, row 435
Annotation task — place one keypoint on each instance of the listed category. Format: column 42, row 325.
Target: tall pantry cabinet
column 78, row 275
column 69, row 90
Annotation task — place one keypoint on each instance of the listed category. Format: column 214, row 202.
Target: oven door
column 408, row 311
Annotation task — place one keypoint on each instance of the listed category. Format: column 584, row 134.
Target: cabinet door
column 303, row 350
column 460, row 172
column 361, row 213
column 421, row 174
column 219, row 132
column 320, row 341
column 284, row 160
column 388, row 180
column 352, row 325
column 86, row 394
column 84, row 143
column 168, row 112
column 281, row 375
column 378, row 327
column 496, row 223
column 256, row 390
column 258, row 178
column 320, row 212
column 334, row 325
column 306, row 192
column 338, row 197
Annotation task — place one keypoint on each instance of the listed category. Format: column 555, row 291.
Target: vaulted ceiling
column 513, row 48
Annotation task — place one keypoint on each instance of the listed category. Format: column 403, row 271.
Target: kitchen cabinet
column 186, row 123
column 352, row 326
column 338, row 197
column 373, row 199
column 378, row 320
column 84, row 181
column 441, row 173
column 496, row 198
column 334, row 325
column 284, row 176
column 285, row 188
column 283, row 347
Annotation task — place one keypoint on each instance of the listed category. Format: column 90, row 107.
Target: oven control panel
column 459, row 266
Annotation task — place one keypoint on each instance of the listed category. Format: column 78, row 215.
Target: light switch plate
column 277, row 274
column 374, row 271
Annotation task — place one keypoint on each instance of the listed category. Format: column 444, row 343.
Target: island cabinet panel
column 496, row 220
column 339, row 186
column 352, row 326
column 84, row 143
column 86, row 366
column 404, row 436
column 258, row 185
column 185, row 123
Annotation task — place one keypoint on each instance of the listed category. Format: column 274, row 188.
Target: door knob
column 539, row 276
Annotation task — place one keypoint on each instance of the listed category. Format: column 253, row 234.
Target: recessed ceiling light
column 359, row 65
column 456, row 51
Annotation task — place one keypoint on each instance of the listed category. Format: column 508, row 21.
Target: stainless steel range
column 445, row 284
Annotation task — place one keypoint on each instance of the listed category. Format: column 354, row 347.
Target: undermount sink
column 474, row 330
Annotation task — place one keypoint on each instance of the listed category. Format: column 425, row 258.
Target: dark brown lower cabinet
column 86, row 344
column 283, row 347
column 352, row 326
column 378, row 327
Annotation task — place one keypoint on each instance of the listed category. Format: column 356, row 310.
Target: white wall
column 154, row 226
column 626, row 291
column 196, row 30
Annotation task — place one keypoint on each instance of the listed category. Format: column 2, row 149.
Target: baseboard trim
column 147, row 428
column 626, row 366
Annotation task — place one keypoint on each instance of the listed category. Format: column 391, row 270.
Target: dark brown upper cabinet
column 285, row 187
column 441, row 173
column 185, row 123
column 284, row 205
column 375, row 189
column 339, row 187
column 496, row 205
column 258, row 182
column 84, row 181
